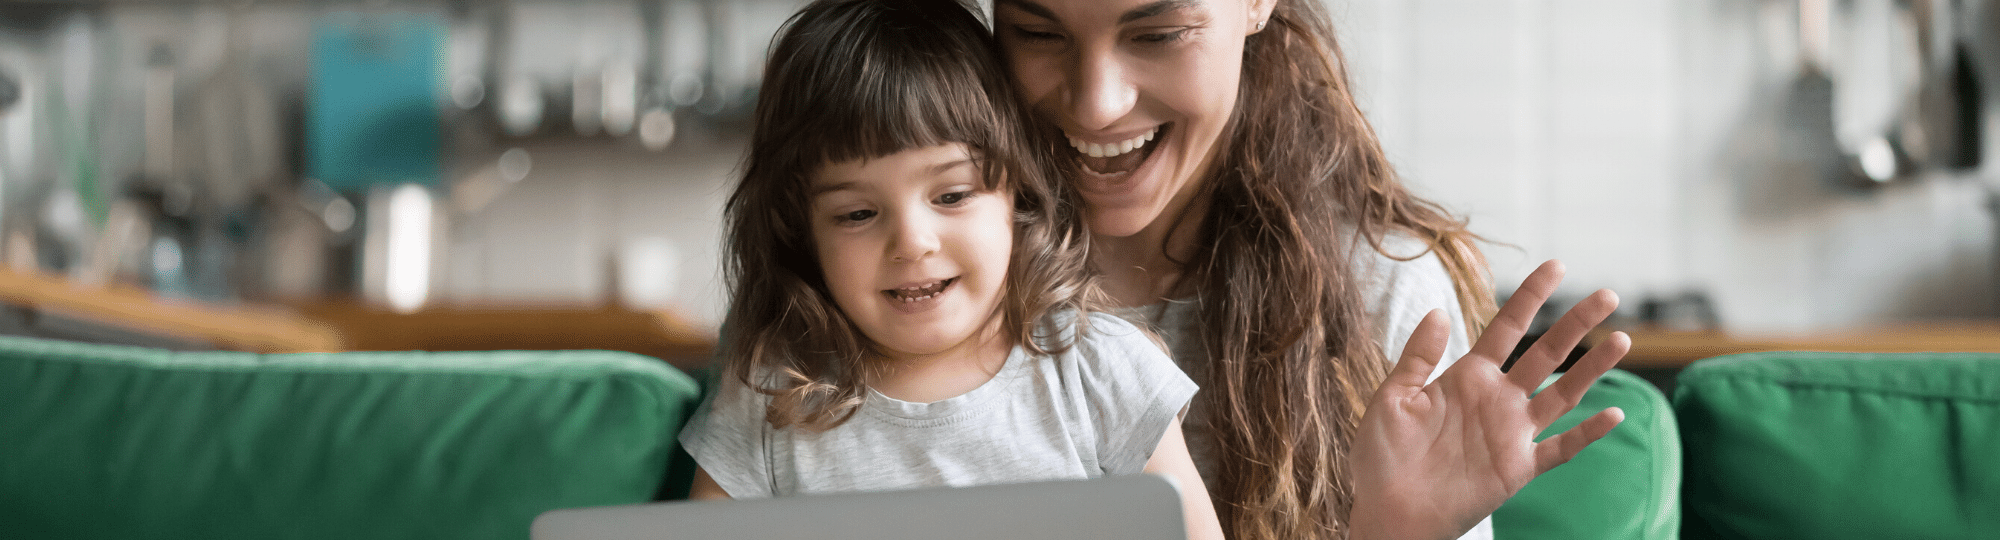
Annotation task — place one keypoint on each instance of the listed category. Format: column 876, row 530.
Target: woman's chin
column 1119, row 222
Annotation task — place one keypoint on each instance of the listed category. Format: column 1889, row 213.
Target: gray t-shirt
column 1098, row 409
column 1398, row 294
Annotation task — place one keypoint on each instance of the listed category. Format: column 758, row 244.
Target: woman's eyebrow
column 1156, row 9
column 1029, row 6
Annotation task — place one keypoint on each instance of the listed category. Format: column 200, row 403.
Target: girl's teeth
column 1114, row 149
column 907, row 295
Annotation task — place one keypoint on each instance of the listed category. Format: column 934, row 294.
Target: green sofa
column 1841, row 446
column 100, row 441
column 1781, row 445
column 1624, row 486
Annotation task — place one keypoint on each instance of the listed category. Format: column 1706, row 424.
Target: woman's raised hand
column 1431, row 460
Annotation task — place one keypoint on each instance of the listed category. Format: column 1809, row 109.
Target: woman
column 1241, row 204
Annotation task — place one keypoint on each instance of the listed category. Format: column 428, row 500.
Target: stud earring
column 1260, row 26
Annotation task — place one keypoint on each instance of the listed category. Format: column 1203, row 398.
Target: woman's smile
column 1142, row 90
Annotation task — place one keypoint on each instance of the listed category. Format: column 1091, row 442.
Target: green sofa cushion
column 1626, row 485
column 1834, row 446
column 102, row 441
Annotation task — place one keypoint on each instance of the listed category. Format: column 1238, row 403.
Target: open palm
column 1431, row 460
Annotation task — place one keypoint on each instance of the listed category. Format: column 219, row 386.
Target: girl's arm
column 1171, row 459
column 705, row 488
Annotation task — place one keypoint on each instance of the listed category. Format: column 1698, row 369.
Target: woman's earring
column 1260, row 26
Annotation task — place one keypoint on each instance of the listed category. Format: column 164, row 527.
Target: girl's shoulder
column 1091, row 332
column 1103, row 345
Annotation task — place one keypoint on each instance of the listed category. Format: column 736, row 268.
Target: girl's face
column 914, row 250
column 1144, row 89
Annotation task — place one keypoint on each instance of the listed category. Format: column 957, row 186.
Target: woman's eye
column 854, row 217
column 953, row 198
column 1161, row 37
column 1033, row 35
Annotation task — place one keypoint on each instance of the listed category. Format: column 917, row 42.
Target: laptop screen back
column 1141, row 507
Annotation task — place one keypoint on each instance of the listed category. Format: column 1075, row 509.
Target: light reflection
column 407, row 279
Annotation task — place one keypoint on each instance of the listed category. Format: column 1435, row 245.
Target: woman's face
column 1144, row 90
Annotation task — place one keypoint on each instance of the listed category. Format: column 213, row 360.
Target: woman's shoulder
column 1401, row 282
column 1401, row 264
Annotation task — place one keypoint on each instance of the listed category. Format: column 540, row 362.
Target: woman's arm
column 704, row 487
column 1432, row 459
column 1171, row 459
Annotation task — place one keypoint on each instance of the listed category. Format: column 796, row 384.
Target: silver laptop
column 1139, row 507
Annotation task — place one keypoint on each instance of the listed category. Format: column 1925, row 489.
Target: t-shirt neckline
column 910, row 410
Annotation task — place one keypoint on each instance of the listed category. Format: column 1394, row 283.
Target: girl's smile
column 916, row 298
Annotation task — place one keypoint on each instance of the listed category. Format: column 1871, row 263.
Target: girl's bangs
column 898, row 87
column 924, row 108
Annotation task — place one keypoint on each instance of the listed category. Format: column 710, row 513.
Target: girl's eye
column 954, row 198
column 856, row 216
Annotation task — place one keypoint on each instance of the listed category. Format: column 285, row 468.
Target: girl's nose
column 1098, row 93
column 915, row 238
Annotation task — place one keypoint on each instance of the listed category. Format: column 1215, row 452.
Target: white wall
column 1655, row 145
column 1658, row 146
column 556, row 235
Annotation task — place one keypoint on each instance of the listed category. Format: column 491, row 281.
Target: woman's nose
column 1099, row 94
column 915, row 237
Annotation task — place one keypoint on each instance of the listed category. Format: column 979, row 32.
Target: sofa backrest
column 1836, row 446
column 1626, row 485
column 102, row 441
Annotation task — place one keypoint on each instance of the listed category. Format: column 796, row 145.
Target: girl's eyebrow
column 828, row 188
column 946, row 166
column 1154, row 9
column 936, row 169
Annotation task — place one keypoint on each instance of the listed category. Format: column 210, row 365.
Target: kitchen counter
column 328, row 325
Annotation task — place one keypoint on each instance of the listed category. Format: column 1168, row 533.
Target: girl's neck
column 1145, row 268
column 926, row 378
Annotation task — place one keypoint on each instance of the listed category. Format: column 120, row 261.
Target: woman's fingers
column 1552, row 402
column 1554, row 346
column 1559, row 449
column 1421, row 355
column 1497, row 342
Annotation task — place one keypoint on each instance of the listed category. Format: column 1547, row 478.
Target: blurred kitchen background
column 343, row 170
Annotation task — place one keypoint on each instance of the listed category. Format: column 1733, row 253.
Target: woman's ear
column 1259, row 16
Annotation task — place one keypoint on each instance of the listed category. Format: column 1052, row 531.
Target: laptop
column 1137, row 507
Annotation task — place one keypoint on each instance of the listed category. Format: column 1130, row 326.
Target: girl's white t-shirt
column 1098, row 409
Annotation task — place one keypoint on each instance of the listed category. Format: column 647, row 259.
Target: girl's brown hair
column 862, row 79
column 1302, row 188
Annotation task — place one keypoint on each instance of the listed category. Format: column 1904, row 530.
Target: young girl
column 912, row 303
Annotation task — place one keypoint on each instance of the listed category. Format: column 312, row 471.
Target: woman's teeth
column 1114, row 149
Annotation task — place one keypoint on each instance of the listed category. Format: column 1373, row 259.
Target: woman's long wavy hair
column 1303, row 186
column 863, row 79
